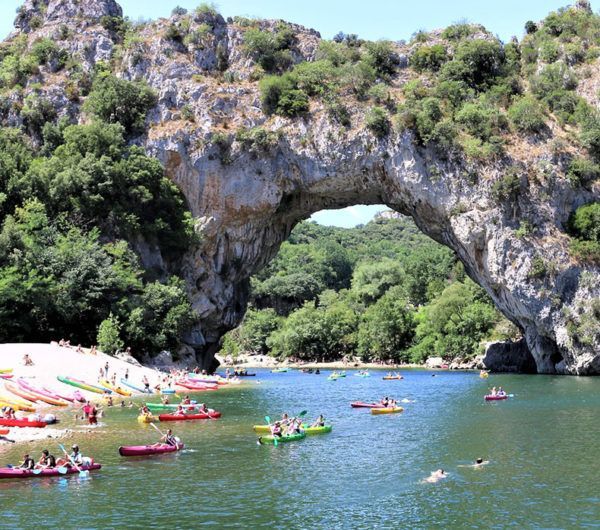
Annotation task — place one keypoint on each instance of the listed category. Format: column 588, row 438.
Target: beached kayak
column 4, row 431
column 6, row 370
column 11, row 472
column 6, row 376
column 363, row 405
column 281, row 439
column 16, row 403
column 170, row 406
column 20, row 392
column 147, row 450
column 266, row 429
column 22, row 423
column 126, row 383
column 115, row 388
column 386, row 410
column 489, row 397
column 81, row 384
column 188, row 386
column 392, row 377
column 42, row 395
column 188, row 417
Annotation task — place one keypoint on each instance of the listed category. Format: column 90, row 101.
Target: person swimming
column 436, row 476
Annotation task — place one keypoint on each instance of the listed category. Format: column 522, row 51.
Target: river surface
column 543, row 446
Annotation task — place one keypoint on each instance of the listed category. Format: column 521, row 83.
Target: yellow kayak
column 266, row 429
column 387, row 410
column 6, row 370
column 146, row 418
column 16, row 406
column 115, row 388
column 13, row 400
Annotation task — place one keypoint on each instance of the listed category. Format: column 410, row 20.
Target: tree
column 109, row 340
column 372, row 280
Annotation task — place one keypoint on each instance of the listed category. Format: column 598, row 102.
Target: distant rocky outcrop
column 246, row 197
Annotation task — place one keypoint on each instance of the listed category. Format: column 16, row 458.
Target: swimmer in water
column 480, row 462
column 436, row 476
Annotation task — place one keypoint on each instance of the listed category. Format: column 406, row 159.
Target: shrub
column 427, row 117
column 257, row 139
column 530, row 27
column 429, row 58
column 564, row 104
column 109, row 335
column 549, row 51
column 527, row 115
column 552, row 78
column 585, row 222
column 476, row 62
column 36, row 112
column 116, row 100
column 538, row 268
column 279, row 95
column 270, row 49
column 178, row 11
column 377, row 122
column 581, row 171
column 382, row 58
column 481, row 120
column 507, row 187
column 206, row 8
column 314, row 78
column 338, row 112
column 459, row 31
column 525, row 229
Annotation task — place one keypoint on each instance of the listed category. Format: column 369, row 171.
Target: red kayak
column 22, row 423
column 495, row 398
column 361, row 405
column 184, row 417
column 11, row 472
column 146, row 450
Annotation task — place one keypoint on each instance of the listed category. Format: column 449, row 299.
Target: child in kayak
column 319, row 422
column 47, row 461
column 276, row 430
column 28, row 463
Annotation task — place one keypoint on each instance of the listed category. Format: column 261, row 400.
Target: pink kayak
column 42, row 391
column 199, row 382
column 12, row 472
column 362, row 405
column 72, row 397
column 495, row 398
column 188, row 417
column 195, row 387
column 147, row 450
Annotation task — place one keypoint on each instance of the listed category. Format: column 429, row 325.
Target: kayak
column 115, row 388
column 12, row 472
column 43, row 395
column 333, row 378
column 195, row 387
column 489, row 397
column 392, row 377
column 133, row 387
column 386, row 410
column 6, row 376
column 6, row 370
column 74, row 396
column 22, row 423
column 4, row 431
column 266, row 429
column 17, row 391
column 166, row 391
column 362, row 405
column 187, row 417
column 362, row 375
column 147, row 450
column 263, row 440
column 169, row 406
column 81, row 384
column 16, row 403
column 146, row 418
column 279, row 370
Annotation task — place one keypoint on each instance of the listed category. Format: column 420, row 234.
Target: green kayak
column 281, row 439
column 317, row 430
column 169, row 406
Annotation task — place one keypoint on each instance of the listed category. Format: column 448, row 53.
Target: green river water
column 543, row 446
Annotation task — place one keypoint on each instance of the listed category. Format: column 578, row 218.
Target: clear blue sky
column 375, row 19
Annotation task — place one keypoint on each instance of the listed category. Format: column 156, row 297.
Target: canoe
column 392, row 377
column 4, row 431
column 363, row 405
column 332, row 378
column 147, row 450
column 362, row 375
column 279, row 370
column 133, row 387
column 6, row 376
column 268, row 439
column 10, row 472
column 114, row 388
column 169, row 406
column 81, row 384
column 43, row 395
column 18, row 391
column 6, row 370
column 22, row 423
column 266, row 429
column 495, row 398
column 73, row 396
column 386, row 410
column 194, row 387
column 188, row 417
column 146, row 418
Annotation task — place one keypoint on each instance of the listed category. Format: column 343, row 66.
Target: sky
column 376, row 19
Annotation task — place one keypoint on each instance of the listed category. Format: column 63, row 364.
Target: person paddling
column 319, row 422
column 168, row 439
column 276, row 430
column 47, row 461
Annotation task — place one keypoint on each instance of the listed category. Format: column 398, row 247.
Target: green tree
column 109, row 339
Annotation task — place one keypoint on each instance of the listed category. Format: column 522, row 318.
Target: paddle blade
column 275, row 442
column 36, row 471
column 62, row 470
column 268, row 419
column 84, row 473
column 303, row 413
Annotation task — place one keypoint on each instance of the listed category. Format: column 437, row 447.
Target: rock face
column 247, row 199
column 509, row 357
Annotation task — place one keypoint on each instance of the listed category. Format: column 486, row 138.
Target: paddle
column 161, row 433
column 82, row 472
column 275, row 442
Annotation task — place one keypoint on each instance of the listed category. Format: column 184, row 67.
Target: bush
column 427, row 117
column 538, row 268
column 507, row 187
column 382, row 58
column 314, row 78
column 527, row 115
column 377, row 122
column 481, row 120
column 582, row 171
column 549, row 51
column 36, row 112
column 429, row 58
column 270, row 49
column 564, row 104
column 257, row 139
column 279, row 95
column 116, row 100
column 530, row 27
column 585, row 222
column 476, row 62
column 178, row 11
column 552, row 78
column 459, row 31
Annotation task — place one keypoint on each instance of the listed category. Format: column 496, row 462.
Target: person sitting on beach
column 47, row 461
column 319, row 422
column 93, row 350
column 28, row 463
column 27, row 360
column 79, row 349
column 436, row 476
column 8, row 413
column 276, row 430
column 126, row 375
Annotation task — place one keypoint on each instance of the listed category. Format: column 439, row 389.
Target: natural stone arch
column 248, row 207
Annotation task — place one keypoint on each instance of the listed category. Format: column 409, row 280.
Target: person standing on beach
column 106, row 370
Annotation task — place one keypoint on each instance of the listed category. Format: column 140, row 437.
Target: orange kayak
column 17, row 391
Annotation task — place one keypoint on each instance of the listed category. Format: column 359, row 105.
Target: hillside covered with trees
column 382, row 292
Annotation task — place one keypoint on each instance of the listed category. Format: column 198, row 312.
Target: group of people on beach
column 289, row 426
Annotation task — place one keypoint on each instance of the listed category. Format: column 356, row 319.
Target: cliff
column 253, row 158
